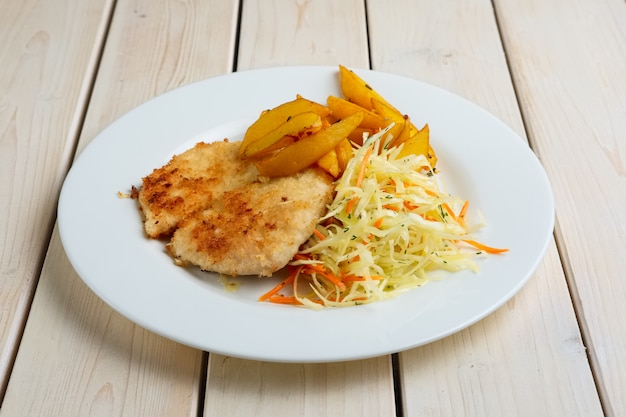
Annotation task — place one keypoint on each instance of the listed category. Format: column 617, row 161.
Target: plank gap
column 367, row 35
column 397, row 384
column 237, row 35
column 558, row 237
column 202, row 380
column 577, row 306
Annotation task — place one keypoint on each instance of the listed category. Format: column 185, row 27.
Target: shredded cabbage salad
column 389, row 225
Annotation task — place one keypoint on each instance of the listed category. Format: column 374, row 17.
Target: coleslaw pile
column 389, row 225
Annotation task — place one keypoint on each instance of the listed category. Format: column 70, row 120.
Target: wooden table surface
column 553, row 70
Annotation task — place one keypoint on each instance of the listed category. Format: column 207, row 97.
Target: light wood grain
column 511, row 362
column 562, row 64
column 291, row 33
column 78, row 357
column 302, row 32
column 48, row 53
column 243, row 388
column 568, row 61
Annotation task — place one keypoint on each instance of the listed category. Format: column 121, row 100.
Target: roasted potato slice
column 431, row 156
column 356, row 90
column 336, row 161
column 281, row 143
column 395, row 132
column 356, row 135
column 418, row 144
column 389, row 112
column 341, row 109
column 298, row 125
column 407, row 130
column 270, row 120
column 308, row 150
column 330, row 163
column 344, row 154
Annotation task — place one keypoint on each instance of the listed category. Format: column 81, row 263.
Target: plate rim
column 245, row 76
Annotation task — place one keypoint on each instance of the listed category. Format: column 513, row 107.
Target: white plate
column 480, row 159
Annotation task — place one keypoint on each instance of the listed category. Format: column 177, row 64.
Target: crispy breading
column 255, row 229
column 189, row 182
column 222, row 217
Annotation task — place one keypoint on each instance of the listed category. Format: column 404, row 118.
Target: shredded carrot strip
column 391, row 207
column 287, row 281
column 378, row 223
column 431, row 193
column 336, row 280
column 319, row 234
column 410, row 206
column 324, row 272
column 485, row 248
column 283, row 299
column 463, row 212
column 451, row 213
column 356, row 278
column 366, row 158
column 351, row 204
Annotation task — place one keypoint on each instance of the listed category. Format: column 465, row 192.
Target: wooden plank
column 242, row 388
column 302, row 33
column 528, row 357
column 291, row 36
column 48, row 53
column 574, row 103
column 78, row 357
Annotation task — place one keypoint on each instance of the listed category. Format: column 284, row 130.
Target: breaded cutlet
column 190, row 182
column 223, row 218
column 255, row 229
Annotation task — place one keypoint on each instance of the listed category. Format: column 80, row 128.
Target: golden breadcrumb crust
column 222, row 217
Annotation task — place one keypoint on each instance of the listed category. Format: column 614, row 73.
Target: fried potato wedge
column 395, row 132
column 309, row 149
column 298, row 125
column 330, row 163
column 336, row 161
column 341, row 108
column 356, row 135
column 432, row 156
column 400, row 132
column 387, row 111
column 360, row 94
column 301, row 132
column 418, row 144
column 356, row 90
column 281, row 143
column 270, row 120
column 403, row 129
column 344, row 154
